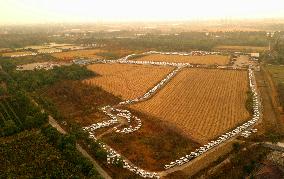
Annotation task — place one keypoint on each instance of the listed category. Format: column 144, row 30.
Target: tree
column 10, row 128
column 29, row 122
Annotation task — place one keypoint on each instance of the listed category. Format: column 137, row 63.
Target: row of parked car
column 240, row 129
column 154, row 89
column 247, row 133
column 192, row 53
column 114, row 156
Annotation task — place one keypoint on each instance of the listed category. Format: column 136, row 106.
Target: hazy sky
column 40, row 11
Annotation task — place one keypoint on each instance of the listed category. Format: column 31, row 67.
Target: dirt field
column 78, row 102
column 208, row 59
column 70, row 55
column 127, row 81
column 154, row 145
column 241, row 48
column 203, row 103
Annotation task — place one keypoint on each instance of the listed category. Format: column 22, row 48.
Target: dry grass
column 241, row 48
column 208, row 59
column 154, row 145
column 70, row 55
column 127, row 81
column 203, row 103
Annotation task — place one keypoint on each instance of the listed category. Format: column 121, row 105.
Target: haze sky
column 42, row 11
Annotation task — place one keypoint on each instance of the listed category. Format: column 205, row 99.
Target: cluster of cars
column 113, row 157
column 228, row 135
column 192, row 53
column 99, row 125
column 85, row 61
column 247, row 133
column 130, row 128
column 39, row 66
column 23, row 55
column 154, row 89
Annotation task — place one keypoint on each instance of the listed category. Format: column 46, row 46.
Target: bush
column 101, row 154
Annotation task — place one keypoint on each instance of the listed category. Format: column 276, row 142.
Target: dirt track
column 101, row 171
column 270, row 118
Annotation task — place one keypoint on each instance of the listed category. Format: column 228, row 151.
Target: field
column 241, row 48
column 277, row 82
column 127, row 81
column 94, row 53
column 207, row 60
column 203, row 103
column 70, row 55
column 78, row 102
column 155, row 144
column 277, row 72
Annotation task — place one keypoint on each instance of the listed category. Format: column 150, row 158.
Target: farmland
column 94, row 53
column 277, row 74
column 241, row 48
column 207, row 59
column 127, row 81
column 70, row 55
column 203, row 103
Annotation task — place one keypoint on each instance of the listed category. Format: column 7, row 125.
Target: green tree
column 10, row 128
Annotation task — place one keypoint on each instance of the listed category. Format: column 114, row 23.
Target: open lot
column 207, row 60
column 127, row 81
column 203, row 103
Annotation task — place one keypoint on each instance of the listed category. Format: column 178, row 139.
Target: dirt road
column 270, row 119
column 101, row 171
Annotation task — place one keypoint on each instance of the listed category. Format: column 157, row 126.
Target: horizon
column 87, row 11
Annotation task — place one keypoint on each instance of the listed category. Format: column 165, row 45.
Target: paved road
column 101, row 171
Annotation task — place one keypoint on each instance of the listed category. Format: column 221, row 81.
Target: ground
column 208, row 59
column 203, row 103
column 127, row 81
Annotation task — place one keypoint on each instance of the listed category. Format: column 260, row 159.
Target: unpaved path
column 101, row 171
column 270, row 120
